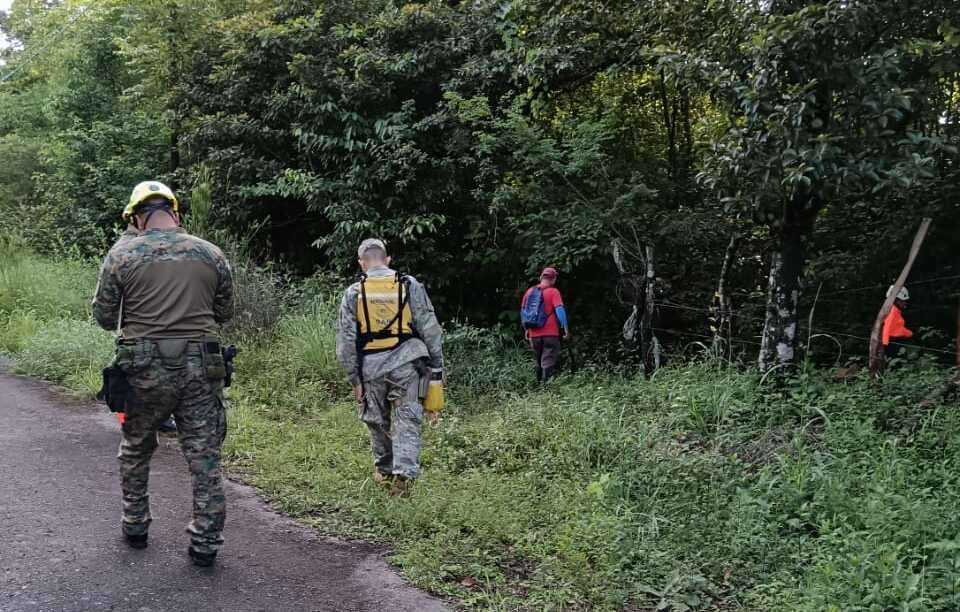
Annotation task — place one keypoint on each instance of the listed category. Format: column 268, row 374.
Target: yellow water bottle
column 434, row 400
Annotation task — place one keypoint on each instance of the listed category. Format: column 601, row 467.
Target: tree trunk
column 724, row 307
column 174, row 151
column 638, row 331
column 650, row 344
column 173, row 38
column 779, row 343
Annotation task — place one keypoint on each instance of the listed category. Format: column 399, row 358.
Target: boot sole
column 202, row 560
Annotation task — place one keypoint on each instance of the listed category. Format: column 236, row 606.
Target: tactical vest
column 384, row 318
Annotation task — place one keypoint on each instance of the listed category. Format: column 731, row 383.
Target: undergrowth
column 702, row 488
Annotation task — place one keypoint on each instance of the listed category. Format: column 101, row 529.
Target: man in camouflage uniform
column 387, row 384
column 131, row 232
column 175, row 291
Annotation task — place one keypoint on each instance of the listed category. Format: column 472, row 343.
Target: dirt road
column 61, row 549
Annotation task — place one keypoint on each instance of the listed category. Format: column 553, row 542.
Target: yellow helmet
column 145, row 191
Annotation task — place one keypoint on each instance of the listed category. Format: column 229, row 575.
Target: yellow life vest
column 384, row 318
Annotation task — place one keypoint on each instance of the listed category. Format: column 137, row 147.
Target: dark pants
column 180, row 386
column 546, row 356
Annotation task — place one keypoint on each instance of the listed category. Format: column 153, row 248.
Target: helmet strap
column 152, row 209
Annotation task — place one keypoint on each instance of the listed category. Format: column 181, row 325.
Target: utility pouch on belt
column 173, row 352
column 213, row 361
column 423, row 369
column 424, row 387
column 115, row 390
column 135, row 355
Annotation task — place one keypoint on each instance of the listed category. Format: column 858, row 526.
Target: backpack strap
column 366, row 309
column 402, row 302
column 543, row 301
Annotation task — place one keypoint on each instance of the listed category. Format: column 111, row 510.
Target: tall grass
column 48, row 288
column 45, row 320
column 703, row 488
column 260, row 292
column 68, row 351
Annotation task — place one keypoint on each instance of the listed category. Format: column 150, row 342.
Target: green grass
column 699, row 489
column 68, row 351
column 46, row 288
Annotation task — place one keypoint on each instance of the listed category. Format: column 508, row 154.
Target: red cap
column 549, row 273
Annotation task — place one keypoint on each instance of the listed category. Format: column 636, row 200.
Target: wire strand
column 879, row 287
column 816, row 330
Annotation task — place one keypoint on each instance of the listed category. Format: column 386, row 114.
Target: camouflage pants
column 393, row 413
column 189, row 387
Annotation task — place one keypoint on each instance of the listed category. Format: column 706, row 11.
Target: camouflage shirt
column 170, row 285
column 428, row 343
column 128, row 234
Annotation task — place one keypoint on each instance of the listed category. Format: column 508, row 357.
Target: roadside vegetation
column 702, row 488
column 684, row 165
column 728, row 186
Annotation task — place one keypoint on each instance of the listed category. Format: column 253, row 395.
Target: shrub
column 15, row 329
column 260, row 292
column 484, row 363
column 259, row 299
column 701, row 488
column 67, row 351
column 49, row 288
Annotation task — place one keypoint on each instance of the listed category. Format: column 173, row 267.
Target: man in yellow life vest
column 390, row 344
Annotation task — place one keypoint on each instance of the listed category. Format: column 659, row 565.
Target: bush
column 701, row 488
column 49, row 288
column 260, row 292
column 484, row 363
column 15, row 329
column 260, row 299
column 67, row 351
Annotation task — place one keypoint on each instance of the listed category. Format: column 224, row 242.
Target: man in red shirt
column 894, row 327
column 545, row 340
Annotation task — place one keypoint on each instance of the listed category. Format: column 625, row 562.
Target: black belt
column 211, row 348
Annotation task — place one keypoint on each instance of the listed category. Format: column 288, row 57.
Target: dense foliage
column 800, row 141
column 675, row 159
column 704, row 488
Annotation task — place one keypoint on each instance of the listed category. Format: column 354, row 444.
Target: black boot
column 547, row 375
column 539, row 374
column 202, row 559
column 138, row 541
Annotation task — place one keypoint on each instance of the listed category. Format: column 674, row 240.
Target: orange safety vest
column 894, row 326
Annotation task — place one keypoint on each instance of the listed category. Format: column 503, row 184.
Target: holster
column 115, row 390
column 228, row 353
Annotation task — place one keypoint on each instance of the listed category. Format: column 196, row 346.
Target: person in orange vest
column 894, row 327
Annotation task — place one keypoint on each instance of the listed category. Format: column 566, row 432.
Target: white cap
column 903, row 295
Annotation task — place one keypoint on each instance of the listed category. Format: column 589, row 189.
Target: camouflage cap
column 371, row 243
